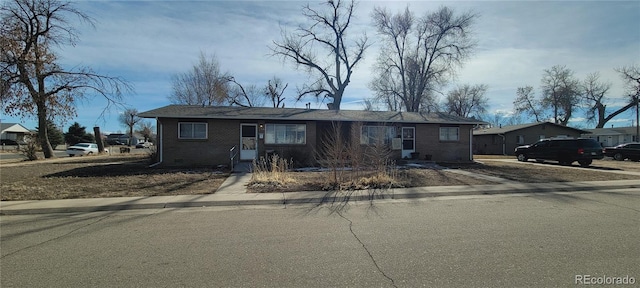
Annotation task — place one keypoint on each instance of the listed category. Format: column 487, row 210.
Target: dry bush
column 333, row 153
column 338, row 152
column 30, row 150
column 272, row 171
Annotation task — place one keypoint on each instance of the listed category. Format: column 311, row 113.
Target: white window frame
column 272, row 128
column 446, row 134
column 366, row 137
column 193, row 135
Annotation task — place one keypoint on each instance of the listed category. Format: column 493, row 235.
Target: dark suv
column 563, row 150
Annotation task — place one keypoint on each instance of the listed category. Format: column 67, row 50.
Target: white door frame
column 407, row 153
column 248, row 146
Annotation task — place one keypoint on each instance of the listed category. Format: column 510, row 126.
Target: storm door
column 408, row 141
column 248, row 141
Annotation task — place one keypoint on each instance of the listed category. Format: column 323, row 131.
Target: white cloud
column 148, row 41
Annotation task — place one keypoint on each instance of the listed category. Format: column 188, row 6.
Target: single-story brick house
column 503, row 140
column 210, row 135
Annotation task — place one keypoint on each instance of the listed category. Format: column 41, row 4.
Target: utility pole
column 637, row 117
column 131, row 128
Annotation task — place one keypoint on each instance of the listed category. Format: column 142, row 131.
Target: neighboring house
column 197, row 135
column 14, row 132
column 609, row 137
column 504, row 140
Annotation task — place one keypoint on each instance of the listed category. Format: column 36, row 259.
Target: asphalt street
column 523, row 240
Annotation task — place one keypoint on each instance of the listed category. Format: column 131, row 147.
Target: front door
column 408, row 141
column 248, row 141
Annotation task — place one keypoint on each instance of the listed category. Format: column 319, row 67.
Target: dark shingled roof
column 299, row 114
column 507, row 129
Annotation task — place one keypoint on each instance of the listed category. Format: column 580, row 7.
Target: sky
column 147, row 42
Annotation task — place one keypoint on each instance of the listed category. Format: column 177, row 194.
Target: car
column 144, row 145
column 629, row 151
column 82, row 149
column 11, row 142
column 8, row 142
column 563, row 150
column 115, row 142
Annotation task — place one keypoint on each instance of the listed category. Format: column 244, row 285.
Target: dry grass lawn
column 120, row 176
column 552, row 172
column 102, row 176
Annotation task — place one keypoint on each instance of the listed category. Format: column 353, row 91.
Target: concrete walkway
column 314, row 197
column 237, row 182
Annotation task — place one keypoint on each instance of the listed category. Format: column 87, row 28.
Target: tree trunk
column 614, row 114
column 337, row 98
column 43, row 136
column 96, row 131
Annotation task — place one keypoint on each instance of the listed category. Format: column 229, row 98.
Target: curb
column 293, row 198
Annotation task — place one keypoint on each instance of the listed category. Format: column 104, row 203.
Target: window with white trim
column 192, row 130
column 520, row 139
column 449, row 134
column 285, row 134
column 373, row 134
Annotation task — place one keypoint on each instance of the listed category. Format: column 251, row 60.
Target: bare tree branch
column 466, row 100
column 420, row 54
column 327, row 32
column 33, row 83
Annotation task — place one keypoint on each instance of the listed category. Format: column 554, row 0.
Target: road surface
column 532, row 240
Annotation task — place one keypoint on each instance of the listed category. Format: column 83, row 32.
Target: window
column 192, row 130
column 285, row 134
column 520, row 139
column 372, row 134
column 449, row 133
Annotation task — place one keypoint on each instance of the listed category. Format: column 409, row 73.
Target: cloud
column 146, row 42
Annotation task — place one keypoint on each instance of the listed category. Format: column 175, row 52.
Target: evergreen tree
column 77, row 134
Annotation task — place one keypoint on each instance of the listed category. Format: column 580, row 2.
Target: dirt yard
column 101, row 176
column 120, row 176
column 531, row 172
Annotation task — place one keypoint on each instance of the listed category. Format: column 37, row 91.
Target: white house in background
column 609, row 137
column 13, row 132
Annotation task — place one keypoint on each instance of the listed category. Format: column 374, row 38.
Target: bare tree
column 327, row 31
column 419, row 55
column 274, row 91
column 467, row 100
column 594, row 92
column 526, row 102
column 145, row 128
column 33, row 82
column 205, row 84
column 631, row 77
column 245, row 97
column 130, row 118
column 560, row 93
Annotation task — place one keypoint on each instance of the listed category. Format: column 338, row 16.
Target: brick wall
column 224, row 134
column 428, row 143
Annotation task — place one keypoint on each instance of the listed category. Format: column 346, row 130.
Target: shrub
column 271, row 171
column 30, row 150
